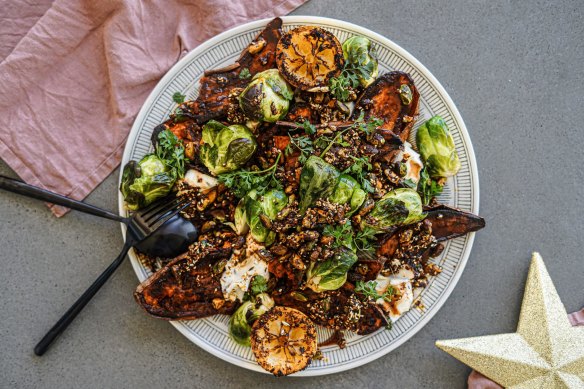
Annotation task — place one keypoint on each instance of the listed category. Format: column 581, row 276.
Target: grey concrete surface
column 514, row 69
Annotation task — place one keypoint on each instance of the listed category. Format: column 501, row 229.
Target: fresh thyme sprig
column 241, row 182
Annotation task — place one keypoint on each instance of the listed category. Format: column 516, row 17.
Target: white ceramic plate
column 461, row 191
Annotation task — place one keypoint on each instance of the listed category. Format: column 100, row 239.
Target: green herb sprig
column 241, row 182
column 349, row 79
column 368, row 289
column 171, row 150
column 303, row 144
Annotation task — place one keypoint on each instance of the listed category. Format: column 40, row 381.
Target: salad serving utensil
column 141, row 226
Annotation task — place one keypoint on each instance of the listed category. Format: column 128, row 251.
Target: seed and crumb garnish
column 311, row 206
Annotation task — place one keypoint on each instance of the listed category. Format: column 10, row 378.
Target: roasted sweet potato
column 184, row 290
column 218, row 87
column 446, row 223
column 186, row 130
column 449, row 223
column 383, row 100
column 335, row 309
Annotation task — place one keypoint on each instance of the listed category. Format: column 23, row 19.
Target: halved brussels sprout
column 253, row 208
column 224, row 148
column 240, row 218
column 267, row 97
column 146, row 181
column 241, row 321
column 358, row 52
column 348, row 190
column 437, row 148
column 398, row 207
column 317, row 180
column 332, row 273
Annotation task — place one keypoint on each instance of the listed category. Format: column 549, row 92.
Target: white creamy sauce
column 414, row 162
column 401, row 286
column 239, row 271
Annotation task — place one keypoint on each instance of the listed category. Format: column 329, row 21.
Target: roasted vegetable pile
column 312, row 206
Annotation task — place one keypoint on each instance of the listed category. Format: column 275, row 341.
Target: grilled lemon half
column 308, row 57
column 283, row 341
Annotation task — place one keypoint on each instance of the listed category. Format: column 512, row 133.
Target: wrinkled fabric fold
column 72, row 86
column 478, row 381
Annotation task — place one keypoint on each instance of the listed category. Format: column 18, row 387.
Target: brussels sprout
column 349, row 191
column 255, row 210
column 241, row 321
column 398, row 207
column 317, row 180
column 437, row 148
column 267, row 97
column 240, row 218
column 225, row 149
column 358, row 52
column 332, row 273
column 146, row 181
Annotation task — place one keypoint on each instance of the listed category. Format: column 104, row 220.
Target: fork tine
column 160, row 208
column 166, row 217
column 156, row 204
column 153, row 219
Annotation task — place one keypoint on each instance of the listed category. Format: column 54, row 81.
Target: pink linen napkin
column 478, row 381
column 73, row 85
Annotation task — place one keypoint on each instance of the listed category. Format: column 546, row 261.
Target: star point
column 545, row 352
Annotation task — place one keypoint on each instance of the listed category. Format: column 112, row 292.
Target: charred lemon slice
column 283, row 341
column 308, row 57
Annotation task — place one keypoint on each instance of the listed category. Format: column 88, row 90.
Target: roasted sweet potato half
column 449, row 223
column 446, row 223
column 393, row 98
column 184, row 290
column 220, row 86
column 336, row 309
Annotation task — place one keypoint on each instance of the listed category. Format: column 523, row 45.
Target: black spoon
column 169, row 241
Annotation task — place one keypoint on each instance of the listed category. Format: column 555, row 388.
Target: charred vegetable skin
column 393, row 98
column 322, row 199
column 220, row 88
column 185, row 290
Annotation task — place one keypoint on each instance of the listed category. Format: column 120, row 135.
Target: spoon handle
column 78, row 306
column 34, row 192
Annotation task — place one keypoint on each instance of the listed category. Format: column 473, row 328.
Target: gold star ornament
column 545, row 352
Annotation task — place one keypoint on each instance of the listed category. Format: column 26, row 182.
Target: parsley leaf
column 358, row 170
column 170, row 149
column 302, row 143
column 241, row 182
column 309, row 128
column 427, row 187
column 244, row 74
column 342, row 233
column 258, row 285
column 178, row 98
column 349, row 79
column 368, row 289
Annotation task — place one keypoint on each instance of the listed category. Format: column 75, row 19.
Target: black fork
column 141, row 225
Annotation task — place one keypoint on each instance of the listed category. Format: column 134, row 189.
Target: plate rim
column 183, row 329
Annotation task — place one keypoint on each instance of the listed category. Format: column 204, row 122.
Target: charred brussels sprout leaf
column 427, row 187
column 349, row 191
column 437, row 148
column 256, row 210
column 146, row 181
column 359, row 54
column 241, row 321
column 154, row 176
column 317, row 180
column 267, row 97
column 226, row 148
column 398, row 207
column 332, row 273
